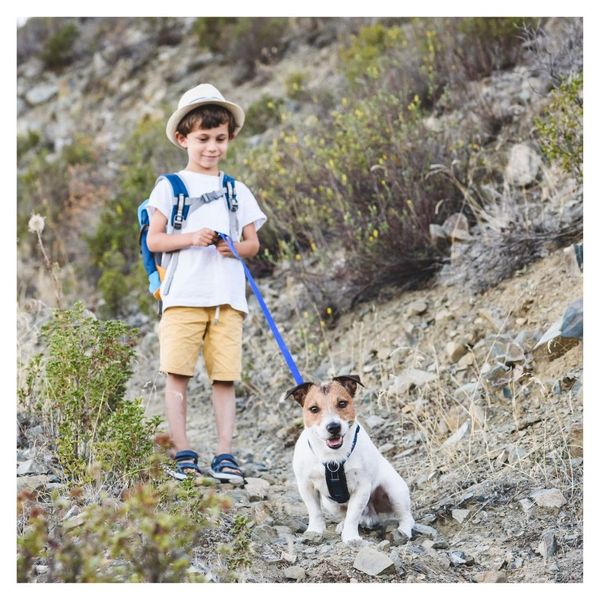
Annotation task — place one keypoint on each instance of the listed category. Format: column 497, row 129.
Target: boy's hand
column 203, row 237
column 223, row 248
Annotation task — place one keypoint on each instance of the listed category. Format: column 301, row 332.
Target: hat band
column 205, row 98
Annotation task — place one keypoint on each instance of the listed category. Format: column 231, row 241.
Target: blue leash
column 284, row 350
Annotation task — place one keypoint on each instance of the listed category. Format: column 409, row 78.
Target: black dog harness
column 335, row 476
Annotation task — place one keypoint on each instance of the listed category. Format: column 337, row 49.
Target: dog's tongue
column 334, row 442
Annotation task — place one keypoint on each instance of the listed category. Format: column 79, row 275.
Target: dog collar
column 335, row 476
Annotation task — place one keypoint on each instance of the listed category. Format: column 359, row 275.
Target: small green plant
column 360, row 56
column 148, row 537
column 81, row 386
column 263, row 114
column 57, row 52
column 560, row 128
column 238, row 551
column 295, row 86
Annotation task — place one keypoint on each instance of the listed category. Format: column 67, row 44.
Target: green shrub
column 27, row 142
column 113, row 247
column 361, row 53
column 212, row 33
column 57, row 52
column 560, row 129
column 81, row 384
column 295, row 85
column 243, row 41
column 358, row 181
column 149, row 537
column 263, row 114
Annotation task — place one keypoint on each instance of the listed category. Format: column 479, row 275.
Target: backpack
column 156, row 263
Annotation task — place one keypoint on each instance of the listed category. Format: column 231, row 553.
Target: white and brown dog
column 338, row 468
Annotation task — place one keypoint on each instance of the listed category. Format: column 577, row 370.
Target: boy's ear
column 350, row 382
column 299, row 392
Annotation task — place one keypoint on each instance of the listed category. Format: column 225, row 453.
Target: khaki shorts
column 184, row 330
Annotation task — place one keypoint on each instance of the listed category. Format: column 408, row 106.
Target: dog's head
column 328, row 409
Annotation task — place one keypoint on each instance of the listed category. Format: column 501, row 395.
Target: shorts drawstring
column 217, row 313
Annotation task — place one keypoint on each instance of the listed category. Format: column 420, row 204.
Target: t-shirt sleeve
column 161, row 198
column 249, row 210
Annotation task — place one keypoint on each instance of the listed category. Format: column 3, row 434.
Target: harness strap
column 335, row 475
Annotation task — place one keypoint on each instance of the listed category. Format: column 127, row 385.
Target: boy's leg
column 223, row 398
column 176, row 409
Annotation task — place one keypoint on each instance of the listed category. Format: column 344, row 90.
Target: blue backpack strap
column 228, row 184
column 180, row 210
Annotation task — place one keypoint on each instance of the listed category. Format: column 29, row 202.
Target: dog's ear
column 350, row 382
column 299, row 392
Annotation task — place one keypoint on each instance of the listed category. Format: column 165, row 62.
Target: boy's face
column 205, row 148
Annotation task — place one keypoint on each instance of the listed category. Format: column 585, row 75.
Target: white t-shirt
column 202, row 276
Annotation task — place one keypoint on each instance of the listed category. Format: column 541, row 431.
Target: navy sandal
column 185, row 461
column 218, row 467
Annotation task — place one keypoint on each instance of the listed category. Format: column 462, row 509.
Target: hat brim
column 175, row 118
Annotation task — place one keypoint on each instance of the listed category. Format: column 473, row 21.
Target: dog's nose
column 333, row 428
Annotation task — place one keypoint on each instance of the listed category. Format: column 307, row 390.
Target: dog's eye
column 314, row 409
column 342, row 404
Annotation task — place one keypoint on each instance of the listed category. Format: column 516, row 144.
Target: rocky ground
column 486, row 431
column 485, row 427
column 493, row 459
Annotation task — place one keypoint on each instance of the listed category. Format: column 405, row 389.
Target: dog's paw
column 354, row 541
column 313, row 534
column 405, row 527
column 339, row 527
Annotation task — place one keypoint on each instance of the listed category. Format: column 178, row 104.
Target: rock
column 374, row 421
column 576, row 440
column 563, row 334
column 408, row 378
column 526, row 505
column 418, row 307
column 550, row 498
column 41, row 93
column 372, row 562
column 460, row 514
column 421, row 529
column 458, row 558
column 256, row 488
column 523, row 165
column 455, row 351
column 516, row 454
column 442, row 316
column 439, row 238
column 491, row 577
column 296, row 573
column 547, row 545
column 31, row 483
column 453, row 440
column 468, row 360
column 456, row 227
column 264, row 534
column 31, row 467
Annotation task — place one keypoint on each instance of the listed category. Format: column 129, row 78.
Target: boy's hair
column 206, row 116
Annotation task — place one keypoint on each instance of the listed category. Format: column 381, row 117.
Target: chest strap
column 335, row 476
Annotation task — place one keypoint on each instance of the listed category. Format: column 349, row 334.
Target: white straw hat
column 205, row 93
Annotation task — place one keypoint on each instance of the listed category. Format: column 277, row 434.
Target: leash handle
column 282, row 347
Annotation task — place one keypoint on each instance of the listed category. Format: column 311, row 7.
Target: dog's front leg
column 310, row 495
column 356, row 505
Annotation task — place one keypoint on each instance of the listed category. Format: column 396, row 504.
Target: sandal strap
column 182, row 466
column 187, row 455
column 225, row 460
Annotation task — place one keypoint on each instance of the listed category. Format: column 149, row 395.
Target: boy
column 205, row 303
